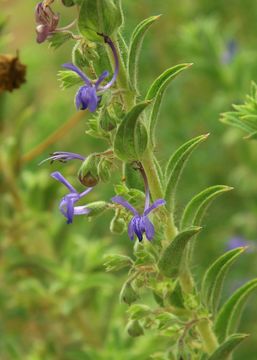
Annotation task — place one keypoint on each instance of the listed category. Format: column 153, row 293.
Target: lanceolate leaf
column 176, row 165
column 196, row 208
column 170, row 260
column 157, row 90
column 225, row 350
column 135, row 46
column 131, row 138
column 214, row 277
column 229, row 315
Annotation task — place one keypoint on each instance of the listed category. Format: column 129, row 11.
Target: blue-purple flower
column 46, row 21
column 89, row 95
column 229, row 53
column 238, row 241
column 67, row 204
column 140, row 223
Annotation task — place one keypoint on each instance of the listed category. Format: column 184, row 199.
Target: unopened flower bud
column 12, row 73
column 134, row 328
column 128, row 294
column 103, row 169
column 88, row 174
column 118, row 224
column 97, row 208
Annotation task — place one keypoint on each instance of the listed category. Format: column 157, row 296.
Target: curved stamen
column 78, row 71
column 108, row 41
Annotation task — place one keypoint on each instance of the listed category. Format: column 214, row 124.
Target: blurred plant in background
column 57, row 301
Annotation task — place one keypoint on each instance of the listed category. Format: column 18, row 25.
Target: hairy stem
column 208, row 337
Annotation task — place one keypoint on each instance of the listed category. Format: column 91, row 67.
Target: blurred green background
column 57, row 301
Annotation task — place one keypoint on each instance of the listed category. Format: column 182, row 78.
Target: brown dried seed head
column 12, row 73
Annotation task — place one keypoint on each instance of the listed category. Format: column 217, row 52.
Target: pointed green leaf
column 131, row 138
column 225, row 349
column 229, row 315
column 175, row 166
column 99, row 16
column 68, row 79
column 214, row 277
column 170, row 260
column 251, row 136
column 157, row 90
column 135, row 47
column 196, row 208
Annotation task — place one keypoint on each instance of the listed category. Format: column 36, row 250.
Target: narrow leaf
column 170, row 260
column 175, row 166
column 225, row 349
column 214, row 277
column 196, row 208
column 131, row 138
column 157, row 90
column 229, row 315
column 135, row 47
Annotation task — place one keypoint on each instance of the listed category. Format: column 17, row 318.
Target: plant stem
column 208, row 337
column 157, row 192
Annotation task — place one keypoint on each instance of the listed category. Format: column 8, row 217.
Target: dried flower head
column 12, row 73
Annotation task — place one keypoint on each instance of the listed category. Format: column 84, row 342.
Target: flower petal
column 81, row 210
column 74, row 68
column 42, row 33
column 121, row 201
column 84, row 193
column 139, row 230
column 92, row 99
column 131, row 230
column 63, row 156
column 149, row 228
column 156, row 204
column 59, row 177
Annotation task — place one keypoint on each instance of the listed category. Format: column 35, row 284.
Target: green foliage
column 156, row 93
column 115, row 262
column 244, row 116
column 214, row 277
column 171, row 258
column 227, row 347
column 68, row 79
column 58, row 39
column 99, row 16
column 175, row 167
column 131, row 139
column 196, row 208
column 229, row 315
column 135, row 47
